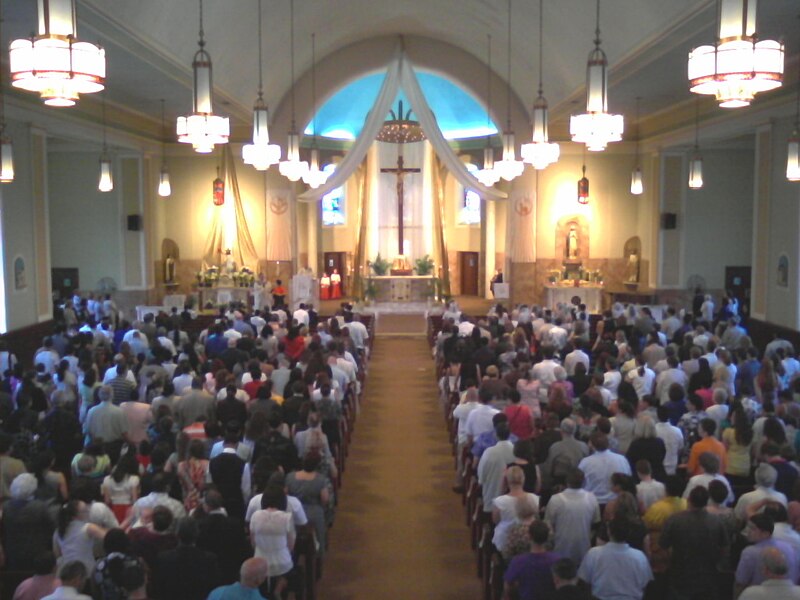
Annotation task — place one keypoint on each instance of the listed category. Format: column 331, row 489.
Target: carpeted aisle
column 400, row 530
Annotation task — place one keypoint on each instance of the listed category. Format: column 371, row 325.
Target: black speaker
column 669, row 221
column 134, row 222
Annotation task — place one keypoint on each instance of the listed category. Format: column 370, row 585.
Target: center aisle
column 399, row 530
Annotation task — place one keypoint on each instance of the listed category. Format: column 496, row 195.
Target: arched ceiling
column 150, row 44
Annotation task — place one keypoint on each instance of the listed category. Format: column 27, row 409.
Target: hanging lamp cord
column 202, row 41
column 291, row 50
column 488, row 87
column 597, row 27
column 260, row 66
column 541, row 45
column 508, row 96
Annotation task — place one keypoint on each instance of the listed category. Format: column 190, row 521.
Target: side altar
column 403, row 288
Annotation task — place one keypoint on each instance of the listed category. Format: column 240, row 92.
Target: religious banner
column 279, row 224
column 522, row 214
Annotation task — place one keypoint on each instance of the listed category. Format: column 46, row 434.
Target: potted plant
column 370, row 291
column 424, row 266
column 380, row 266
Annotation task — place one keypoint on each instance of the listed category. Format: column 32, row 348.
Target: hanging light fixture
column 106, row 181
column 487, row 175
column 260, row 154
column 696, row 162
column 202, row 128
column 314, row 177
column 54, row 63
column 739, row 65
column 218, row 190
column 540, row 153
column 164, row 188
column 596, row 127
column 509, row 168
column 793, row 155
column 292, row 168
column 583, row 187
column 6, row 149
column 637, row 186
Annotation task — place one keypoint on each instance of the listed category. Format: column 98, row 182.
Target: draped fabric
column 523, row 224
column 229, row 230
column 279, row 224
column 400, row 73
column 439, row 176
column 362, row 220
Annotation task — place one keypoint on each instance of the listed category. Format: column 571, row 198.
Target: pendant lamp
column 260, row 154
column 164, row 187
column 314, row 177
column 596, row 127
column 509, row 168
column 696, row 162
column 487, row 175
column 540, row 153
column 106, row 181
column 637, row 185
column 6, row 149
column 793, row 147
column 292, row 168
column 202, row 128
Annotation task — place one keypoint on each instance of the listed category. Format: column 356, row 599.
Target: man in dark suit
column 223, row 536
column 187, row 572
column 231, row 475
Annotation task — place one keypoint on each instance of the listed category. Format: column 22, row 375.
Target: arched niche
column 580, row 226
column 632, row 251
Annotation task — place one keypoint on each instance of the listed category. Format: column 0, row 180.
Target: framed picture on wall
column 20, row 277
column 783, row 271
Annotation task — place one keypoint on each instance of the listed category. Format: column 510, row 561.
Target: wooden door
column 469, row 272
column 336, row 260
column 737, row 282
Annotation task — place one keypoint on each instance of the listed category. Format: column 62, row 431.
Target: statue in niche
column 169, row 269
column 572, row 243
column 633, row 268
column 229, row 266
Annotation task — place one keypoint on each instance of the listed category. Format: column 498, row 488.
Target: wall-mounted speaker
column 669, row 221
column 134, row 222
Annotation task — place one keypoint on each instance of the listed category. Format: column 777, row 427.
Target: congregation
column 155, row 460
column 624, row 457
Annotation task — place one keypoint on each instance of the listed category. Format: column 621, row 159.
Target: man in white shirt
column 765, row 477
column 600, row 466
column 666, row 378
column 571, row 514
column 301, row 315
column 465, row 327
column 544, row 372
column 158, row 497
column 492, row 466
column 671, row 324
column 557, row 335
column 479, row 419
column 47, row 356
column 358, row 332
column 576, row 356
column 73, row 578
column 672, row 438
column 469, row 402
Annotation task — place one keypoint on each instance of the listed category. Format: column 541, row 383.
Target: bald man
column 776, row 584
column 252, row 574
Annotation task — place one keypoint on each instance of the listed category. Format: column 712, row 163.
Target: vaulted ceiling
column 150, row 44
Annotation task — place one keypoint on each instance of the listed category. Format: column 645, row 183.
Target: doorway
column 737, row 282
column 336, row 261
column 469, row 267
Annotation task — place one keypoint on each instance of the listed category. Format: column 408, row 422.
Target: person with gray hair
column 564, row 455
column 252, row 574
column 765, row 476
column 776, row 584
column 709, row 466
column 106, row 420
column 28, row 524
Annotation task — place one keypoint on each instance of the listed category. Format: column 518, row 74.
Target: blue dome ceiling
column 459, row 115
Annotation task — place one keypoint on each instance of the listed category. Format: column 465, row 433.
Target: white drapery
column 400, row 74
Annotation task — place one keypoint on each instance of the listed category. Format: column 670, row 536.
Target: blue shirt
column 486, row 440
column 235, row 591
column 616, row 572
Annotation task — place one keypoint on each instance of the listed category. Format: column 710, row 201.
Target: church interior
column 57, row 225
column 399, row 154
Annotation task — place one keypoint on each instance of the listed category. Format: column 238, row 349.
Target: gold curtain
column 439, row 238
column 362, row 222
column 242, row 247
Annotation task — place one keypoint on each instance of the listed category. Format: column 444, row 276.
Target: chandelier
column 314, row 177
column 164, row 187
column 202, row 128
column 54, row 63
column 637, row 185
column 596, row 127
column 6, row 148
column 292, row 168
column 540, row 153
column 696, row 162
column 106, row 181
column 739, row 65
column 487, row 175
column 509, row 168
column 260, row 154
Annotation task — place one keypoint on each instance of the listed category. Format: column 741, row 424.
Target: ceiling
column 150, row 44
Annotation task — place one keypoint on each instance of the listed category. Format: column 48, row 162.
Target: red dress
column 294, row 348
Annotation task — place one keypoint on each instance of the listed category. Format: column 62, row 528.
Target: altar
column 405, row 288
column 590, row 295
column 223, row 295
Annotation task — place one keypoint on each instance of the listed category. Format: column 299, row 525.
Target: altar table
column 404, row 288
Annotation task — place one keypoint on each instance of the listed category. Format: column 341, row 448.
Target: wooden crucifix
column 400, row 171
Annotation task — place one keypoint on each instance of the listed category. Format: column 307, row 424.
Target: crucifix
column 400, row 171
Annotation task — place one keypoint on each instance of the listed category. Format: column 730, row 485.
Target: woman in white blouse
column 273, row 535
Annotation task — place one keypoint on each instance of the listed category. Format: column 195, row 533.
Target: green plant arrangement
column 379, row 266
column 424, row 265
column 370, row 290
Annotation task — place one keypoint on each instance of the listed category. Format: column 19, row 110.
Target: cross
column 400, row 171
